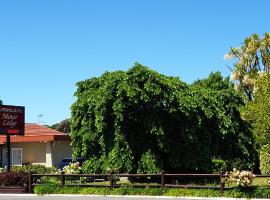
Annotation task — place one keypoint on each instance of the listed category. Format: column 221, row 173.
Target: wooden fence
column 161, row 180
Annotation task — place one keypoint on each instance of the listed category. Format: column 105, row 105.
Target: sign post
column 12, row 119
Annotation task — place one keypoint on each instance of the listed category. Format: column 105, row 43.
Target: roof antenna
column 40, row 119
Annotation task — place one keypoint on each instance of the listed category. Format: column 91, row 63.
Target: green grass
column 258, row 181
column 250, row 192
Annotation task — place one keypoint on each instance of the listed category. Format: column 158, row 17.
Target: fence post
column 221, row 184
column 62, row 179
column 111, row 180
column 30, row 179
column 162, row 180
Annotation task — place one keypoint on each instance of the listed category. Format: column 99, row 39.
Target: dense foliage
column 143, row 121
column 14, row 179
column 249, row 192
column 257, row 112
column 36, row 169
column 63, row 126
column 265, row 159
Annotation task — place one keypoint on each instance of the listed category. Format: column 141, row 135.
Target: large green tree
column 143, row 121
column 257, row 113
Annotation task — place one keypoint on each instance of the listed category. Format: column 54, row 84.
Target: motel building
column 39, row 145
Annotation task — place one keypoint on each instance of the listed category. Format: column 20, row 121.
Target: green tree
column 231, row 135
column 143, row 121
column 265, row 159
column 257, row 112
column 63, row 126
column 252, row 59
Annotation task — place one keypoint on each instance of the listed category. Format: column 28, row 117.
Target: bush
column 90, row 166
column 240, row 164
column 72, row 168
column 265, row 159
column 192, row 192
column 36, row 169
column 47, row 189
column 248, row 192
column 219, row 166
column 147, row 164
column 241, row 178
column 14, row 179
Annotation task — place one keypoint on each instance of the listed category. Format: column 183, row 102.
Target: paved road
column 73, row 197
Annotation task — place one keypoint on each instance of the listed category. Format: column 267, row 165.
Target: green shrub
column 265, row 159
column 192, row 192
column 147, row 164
column 70, row 190
column 47, row 189
column 239, row 164
column 90, row 166
column 97, row 191
column 248, row 192
column 219, row 166
column 36, row 169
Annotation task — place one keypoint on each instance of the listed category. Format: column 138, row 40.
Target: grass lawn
column 259, row 181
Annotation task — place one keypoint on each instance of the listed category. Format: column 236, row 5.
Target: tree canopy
column 143, row 121
column 63, row 126
column 257, row 112
column 252, row 59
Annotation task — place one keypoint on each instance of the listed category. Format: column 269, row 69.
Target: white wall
column 61, row 149
column 43, row 153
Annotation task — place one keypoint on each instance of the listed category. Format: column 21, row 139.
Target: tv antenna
column 40, row 119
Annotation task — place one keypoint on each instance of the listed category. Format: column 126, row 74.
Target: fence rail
column 112, row 182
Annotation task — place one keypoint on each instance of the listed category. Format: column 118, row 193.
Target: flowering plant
column 72, row 168
column 241, row 178
column 2, row 170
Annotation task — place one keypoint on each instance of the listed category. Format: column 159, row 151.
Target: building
column 39, row 145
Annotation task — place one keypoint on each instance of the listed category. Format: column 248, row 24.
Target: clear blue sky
column 46, row 46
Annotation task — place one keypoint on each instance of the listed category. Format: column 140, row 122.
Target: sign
column 12, row 120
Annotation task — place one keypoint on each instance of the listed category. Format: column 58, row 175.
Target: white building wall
column 41, row 153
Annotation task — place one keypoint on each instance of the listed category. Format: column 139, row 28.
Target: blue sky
column 46, row 46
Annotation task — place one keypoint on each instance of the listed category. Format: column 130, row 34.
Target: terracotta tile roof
column 36, row 133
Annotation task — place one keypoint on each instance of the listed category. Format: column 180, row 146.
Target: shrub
column 244, row 192
column 14, row 179
column 47, row 189
column 72, row 168
column 36, row 169
column 91, row 166
column 241, row 178
column 265, row 159
column 147, row 163
column 218, row 166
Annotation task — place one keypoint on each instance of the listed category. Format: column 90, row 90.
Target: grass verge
column 250, row 192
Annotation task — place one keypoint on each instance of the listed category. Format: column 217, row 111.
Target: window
column 16, row 156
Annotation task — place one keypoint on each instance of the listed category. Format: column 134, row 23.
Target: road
column 75, row 197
